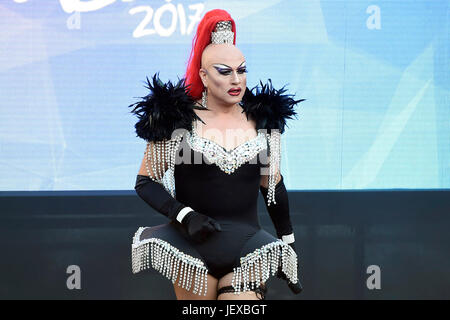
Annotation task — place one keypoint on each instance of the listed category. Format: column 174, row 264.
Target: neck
column 220, row 108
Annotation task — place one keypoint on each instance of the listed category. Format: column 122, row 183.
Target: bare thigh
column 226, row 281
column 211, row 291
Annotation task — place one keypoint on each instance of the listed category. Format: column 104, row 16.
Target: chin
column 233, row 100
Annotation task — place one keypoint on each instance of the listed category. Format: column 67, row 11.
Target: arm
column 150, row 189
column 272, row 188
column 279, row 214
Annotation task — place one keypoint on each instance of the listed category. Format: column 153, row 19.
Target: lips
column 234, row 91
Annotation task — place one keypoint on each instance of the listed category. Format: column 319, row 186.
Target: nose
column 235, row 78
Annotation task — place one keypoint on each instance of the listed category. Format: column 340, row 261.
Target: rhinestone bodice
column 227, row 160
column 221, row 183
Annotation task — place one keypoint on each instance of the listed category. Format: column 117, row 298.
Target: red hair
column 201, row 39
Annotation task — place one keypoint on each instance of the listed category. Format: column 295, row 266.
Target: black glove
column 296, row 288
column 279, row 212
column 199, row 226
column 157, row 197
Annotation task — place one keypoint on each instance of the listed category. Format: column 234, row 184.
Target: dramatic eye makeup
column 226, row 70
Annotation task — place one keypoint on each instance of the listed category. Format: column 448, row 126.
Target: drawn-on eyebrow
column 224, row 65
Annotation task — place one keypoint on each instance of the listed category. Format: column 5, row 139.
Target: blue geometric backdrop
column 375, row 75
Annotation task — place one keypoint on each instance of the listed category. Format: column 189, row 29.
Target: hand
column 296, row 288
column 199, row 226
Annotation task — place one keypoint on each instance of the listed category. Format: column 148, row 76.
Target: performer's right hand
column 199, row 226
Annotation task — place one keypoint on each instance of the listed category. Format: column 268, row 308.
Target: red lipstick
column 234, row 91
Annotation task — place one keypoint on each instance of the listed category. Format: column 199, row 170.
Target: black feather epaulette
column 166, row 108
column 268, row 107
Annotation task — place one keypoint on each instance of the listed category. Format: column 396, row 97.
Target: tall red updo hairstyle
column 201, row 39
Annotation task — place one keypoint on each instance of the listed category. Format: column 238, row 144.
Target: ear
column 202, row 74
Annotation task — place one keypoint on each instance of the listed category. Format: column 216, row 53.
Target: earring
column 204, row 99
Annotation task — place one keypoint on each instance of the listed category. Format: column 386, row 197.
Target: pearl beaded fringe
column 262, row 263
column 274, row 140
column 191, row 272
column 170, row 262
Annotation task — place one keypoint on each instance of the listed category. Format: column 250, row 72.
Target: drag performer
column 195, row 174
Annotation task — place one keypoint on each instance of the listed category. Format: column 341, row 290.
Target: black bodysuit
column 228, row 194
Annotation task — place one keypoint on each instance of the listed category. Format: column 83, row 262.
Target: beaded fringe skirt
column 169, row 254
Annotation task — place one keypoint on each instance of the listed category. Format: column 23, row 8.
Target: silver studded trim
column 260, row 264
column 227, row 161
column 170, row 262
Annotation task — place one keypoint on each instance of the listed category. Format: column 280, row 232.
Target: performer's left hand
column 296, row 288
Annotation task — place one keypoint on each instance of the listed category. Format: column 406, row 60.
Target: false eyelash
column 227, row 72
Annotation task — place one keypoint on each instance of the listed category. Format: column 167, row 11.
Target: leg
column 225, row 282
column 211, row 292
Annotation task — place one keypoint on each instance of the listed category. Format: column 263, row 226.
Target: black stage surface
column 338, row 233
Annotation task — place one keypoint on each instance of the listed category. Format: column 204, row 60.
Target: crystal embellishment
column 262, row 263
column 160, row 255
column 227, row 161
column 223, row 33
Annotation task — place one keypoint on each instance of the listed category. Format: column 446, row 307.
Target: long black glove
column 197, row 225
column 279, row 214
